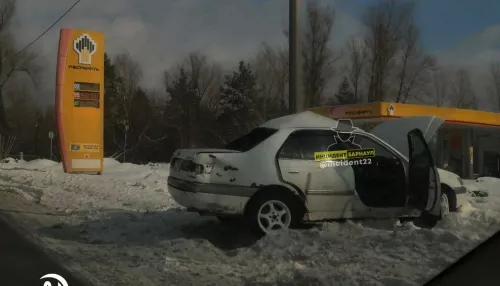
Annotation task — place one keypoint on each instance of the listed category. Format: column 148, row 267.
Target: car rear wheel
column 272, row 212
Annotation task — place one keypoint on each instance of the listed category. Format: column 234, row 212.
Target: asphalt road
column 22, row 263
column 479, row 267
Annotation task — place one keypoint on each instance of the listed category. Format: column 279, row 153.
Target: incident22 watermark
column 344, row 163
column 344, row 158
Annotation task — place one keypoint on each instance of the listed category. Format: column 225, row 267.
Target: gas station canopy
column 468, row 144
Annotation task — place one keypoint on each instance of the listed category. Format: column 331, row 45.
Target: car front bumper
column 461, row 194
column 212, row 199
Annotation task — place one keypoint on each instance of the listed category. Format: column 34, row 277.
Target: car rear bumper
column 210, row 198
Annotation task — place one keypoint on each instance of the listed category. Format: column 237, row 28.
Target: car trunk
column 187, row 164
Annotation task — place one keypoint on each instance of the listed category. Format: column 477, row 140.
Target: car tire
column 272, row 211
column 445, row 205
column 452, row 197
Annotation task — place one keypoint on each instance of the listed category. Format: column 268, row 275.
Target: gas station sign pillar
column 79, row 100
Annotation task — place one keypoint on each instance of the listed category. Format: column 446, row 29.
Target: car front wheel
column 445, row 205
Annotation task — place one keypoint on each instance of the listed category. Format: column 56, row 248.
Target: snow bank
column 121, row 186
column 490, row 184
column 37, row 164
column 11, row 160
column 123, row 226
column 40, row 164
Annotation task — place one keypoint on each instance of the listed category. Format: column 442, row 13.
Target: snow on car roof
column 305, row 119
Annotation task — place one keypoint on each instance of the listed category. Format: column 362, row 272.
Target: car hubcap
column 445, row 205
column 274, row 215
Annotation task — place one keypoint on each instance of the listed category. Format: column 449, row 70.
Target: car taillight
column 209, row 168
column 203, row 169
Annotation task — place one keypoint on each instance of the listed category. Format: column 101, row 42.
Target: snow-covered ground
column 123, row 228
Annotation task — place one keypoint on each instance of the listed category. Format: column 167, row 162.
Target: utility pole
column 295, row 100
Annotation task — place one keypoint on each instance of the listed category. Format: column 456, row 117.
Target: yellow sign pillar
column 79, row 100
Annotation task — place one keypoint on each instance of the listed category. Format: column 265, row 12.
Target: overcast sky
column 159, row 33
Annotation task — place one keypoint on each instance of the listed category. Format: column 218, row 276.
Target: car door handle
column 293, row 171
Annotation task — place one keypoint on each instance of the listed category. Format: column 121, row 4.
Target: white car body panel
column 451, row 179
column 454, row 181
column 217, row 203
column 329, row 191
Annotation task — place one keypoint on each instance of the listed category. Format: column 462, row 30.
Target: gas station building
column 468, row 144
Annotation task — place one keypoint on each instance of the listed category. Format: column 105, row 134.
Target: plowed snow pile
column 122, row 228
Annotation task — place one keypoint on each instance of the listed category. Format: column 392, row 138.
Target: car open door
column 424, row 184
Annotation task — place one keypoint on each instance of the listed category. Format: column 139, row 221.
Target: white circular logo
column 323, row 164
column 60, row 280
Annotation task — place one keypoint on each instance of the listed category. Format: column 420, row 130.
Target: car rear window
column 251, row 139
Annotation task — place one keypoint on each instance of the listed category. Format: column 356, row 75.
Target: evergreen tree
column 345, row 94
column 180, row 112
column 239, row 89
column 141, row 119
column 181, row 94
column 238, row 99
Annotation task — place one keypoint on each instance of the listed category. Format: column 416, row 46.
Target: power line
column 48, row 29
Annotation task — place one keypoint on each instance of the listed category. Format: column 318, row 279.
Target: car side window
column 368, row 143
column 303, row 144
column 316, row 141
column 291, row 148
column 343, row 144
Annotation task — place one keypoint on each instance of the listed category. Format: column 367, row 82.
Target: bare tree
column 494, row 83
column 437, row 89
column 414, row 65
column 129, row 74
column 441, row 86
column 358, row 54
column 191, row 102
column 21, row 112
column 385, row 21
column 318, row 57
column 7, row 10
column 12, row 63
column 463, row 91
column 271, row 69
column 206, row 77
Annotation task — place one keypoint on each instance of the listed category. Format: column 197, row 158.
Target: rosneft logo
column 84, row 68
column 85, row 47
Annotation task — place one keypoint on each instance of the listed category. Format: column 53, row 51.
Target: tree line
column 203, row 105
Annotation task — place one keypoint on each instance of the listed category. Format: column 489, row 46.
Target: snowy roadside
column 122, row 228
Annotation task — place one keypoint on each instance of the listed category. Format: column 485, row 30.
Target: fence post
column 21, row 156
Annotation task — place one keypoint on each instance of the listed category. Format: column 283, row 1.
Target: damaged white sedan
column 307, row 167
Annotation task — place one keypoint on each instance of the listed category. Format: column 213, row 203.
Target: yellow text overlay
column 344, row 154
